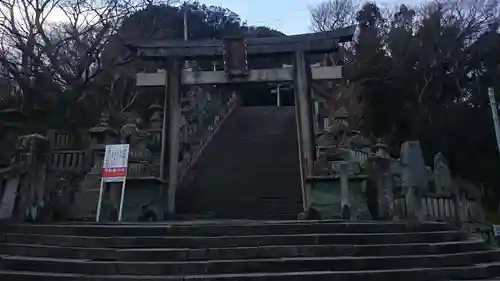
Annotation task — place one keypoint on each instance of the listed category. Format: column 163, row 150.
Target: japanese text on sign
column 114, row 168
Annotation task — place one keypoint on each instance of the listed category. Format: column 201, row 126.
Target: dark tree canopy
column 423, row 74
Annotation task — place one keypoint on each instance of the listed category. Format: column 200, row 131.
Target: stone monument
column 414, row 178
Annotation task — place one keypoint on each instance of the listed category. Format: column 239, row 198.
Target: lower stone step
column 274, row 265
column 224, row 228
column 478, row 271
column 162, row 254
column 233, row 241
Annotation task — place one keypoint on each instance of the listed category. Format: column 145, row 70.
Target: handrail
column 214, row 129
column 5, row 170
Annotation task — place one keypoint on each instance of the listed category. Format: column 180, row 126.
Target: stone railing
column 69, row 153
column 70, row 161
column 439, row 207
column 359, row 156
column 357, row 159
column 436, row 207
column 201, row 122
column 64, row 140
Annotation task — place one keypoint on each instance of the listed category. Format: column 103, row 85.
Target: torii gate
column 236, row 52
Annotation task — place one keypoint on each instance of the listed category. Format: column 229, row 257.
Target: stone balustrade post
column 11, row 126
column 344, row 191
column 33, row 151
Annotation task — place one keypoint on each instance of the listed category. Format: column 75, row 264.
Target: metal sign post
column 114, row 169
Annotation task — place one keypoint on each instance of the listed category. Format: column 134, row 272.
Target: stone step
column 161, row 254
column 232, row 241
column 253, row 157
column 477, row 271
column 276, row 265
column 233, row 228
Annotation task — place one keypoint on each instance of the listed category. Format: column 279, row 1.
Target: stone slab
column 234, row 241
column 274, row 265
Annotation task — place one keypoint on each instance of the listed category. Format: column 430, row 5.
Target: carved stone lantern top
column 380, row 149
column 132, row 118
column 102, row 133
column 102, row 126
column 380, row 144
column 341, row 114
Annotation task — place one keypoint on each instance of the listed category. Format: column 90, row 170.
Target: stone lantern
column 156, row 119
column 380, row 149
column 340, row 118
column 100, row 136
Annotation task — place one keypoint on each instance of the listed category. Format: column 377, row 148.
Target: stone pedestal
column 143, row 186
column 86, row 198
column 142, row 194
column 382, row 178
column 334, row 199
column 344, row 191
column 11, row 125
column 100, row 136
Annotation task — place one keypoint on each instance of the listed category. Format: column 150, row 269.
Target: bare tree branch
column 333, row 14
column 64, row 53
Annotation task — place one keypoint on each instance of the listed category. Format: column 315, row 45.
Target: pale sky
column 288, row 16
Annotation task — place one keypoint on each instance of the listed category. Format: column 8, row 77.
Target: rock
column 414, row 171
column 414, row 178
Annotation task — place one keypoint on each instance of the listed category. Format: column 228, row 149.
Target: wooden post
column 174, row 93
column 305, row 130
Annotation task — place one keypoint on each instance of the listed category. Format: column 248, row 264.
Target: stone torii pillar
column 170, row 132
column 305, row 128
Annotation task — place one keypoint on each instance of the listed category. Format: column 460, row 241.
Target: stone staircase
column 250, row 169
column 244, row 250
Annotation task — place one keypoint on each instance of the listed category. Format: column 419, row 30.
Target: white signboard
column 496, row 230
column 114, row 168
